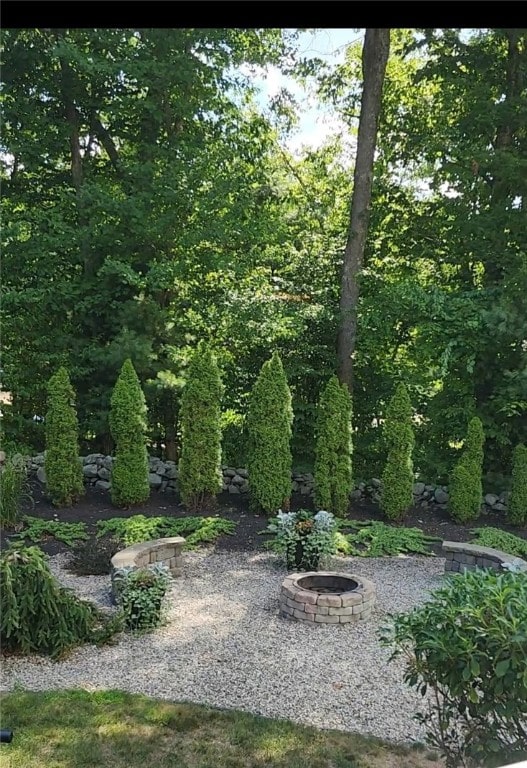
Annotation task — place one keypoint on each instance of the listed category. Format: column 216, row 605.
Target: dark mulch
column 95, row 505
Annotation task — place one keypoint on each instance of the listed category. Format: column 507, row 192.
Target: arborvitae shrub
column 37, row 615
column 64, row 480
column 465, row 488
column 269, row 424
column 333, row 472
column 517, row 509
column 200, row 475
column 128, row 426
column 398, row 475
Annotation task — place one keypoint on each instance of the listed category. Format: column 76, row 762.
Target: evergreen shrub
column 465, row 487
column 128, row 428
column 333, row 470
column 269, row 426
column 200, row 476
column 517, row 508
column 64, row 479
column 398, row 474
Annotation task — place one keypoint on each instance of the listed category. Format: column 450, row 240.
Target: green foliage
column 64, row 480
column 128, row 425
column 333, row 474
column 138, row 528
column 502, row 540
column 233, row 439
column 303, row 537
column 398, row 475
column 269, row 423
column 468, row 646
column 200, row 464
column 376, row 539
column 140, row 593
column 92, row 557
column 37, row 614
column 36, row 530
column 465, row 487
column 14, row 490
column 517, row 507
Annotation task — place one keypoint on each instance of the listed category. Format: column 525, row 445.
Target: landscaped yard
column 111, row 729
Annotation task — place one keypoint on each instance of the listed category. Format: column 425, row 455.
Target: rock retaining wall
column 467, row 557
column 163, row 476
column 168, row 551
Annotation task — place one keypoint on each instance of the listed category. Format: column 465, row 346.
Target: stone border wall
column 467, row 557
column 306, row 605
column 163, row 476
column 168, row 551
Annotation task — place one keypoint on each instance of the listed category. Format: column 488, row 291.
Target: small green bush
column 502, row 540
column 200, row 477
column 333, row 475
column 138, row 528
column 64, row 479
column 467, row 646
column 517, row 508
column 35, row 530
column 376, row 539
column 140, row 593
column 128, row 427
column 269, row 426
column 14, row 490
column 465, row 487
column 37, row 615
column 398, row 475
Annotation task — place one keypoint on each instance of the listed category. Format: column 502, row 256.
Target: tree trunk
column 374, row 59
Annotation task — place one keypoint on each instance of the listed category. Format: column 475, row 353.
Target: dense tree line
column 148, row 204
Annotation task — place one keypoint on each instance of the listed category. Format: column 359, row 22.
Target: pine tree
column 128, row 427
column 269, row 425
column 398, row 475
column 466, row 487
column 517, row 510
column 333, row 475
column 64, row 479
column 200, row 464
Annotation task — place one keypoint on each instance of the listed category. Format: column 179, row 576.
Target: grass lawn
column 112, row 729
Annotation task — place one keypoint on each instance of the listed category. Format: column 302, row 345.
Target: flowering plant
column 304, row 537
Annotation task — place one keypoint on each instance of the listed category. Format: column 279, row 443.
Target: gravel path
column 225, row 645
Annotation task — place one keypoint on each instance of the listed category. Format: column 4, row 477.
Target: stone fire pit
column 326, row 597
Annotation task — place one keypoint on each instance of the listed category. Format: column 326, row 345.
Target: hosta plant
column 304, row 538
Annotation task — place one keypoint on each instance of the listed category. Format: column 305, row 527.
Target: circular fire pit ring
column 326, row 597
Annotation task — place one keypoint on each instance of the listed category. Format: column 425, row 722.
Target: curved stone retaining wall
column 168, row 551
column 467, row 557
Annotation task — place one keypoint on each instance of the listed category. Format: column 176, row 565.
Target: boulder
column 242, row 472
column 440, row 496
column 154, row 479
column 90, row 470
column 41, row 475
column 103, row 485
column 237, row 480
column 103, row 473
column 234, row 489
column 491, row 499
column 419, row 489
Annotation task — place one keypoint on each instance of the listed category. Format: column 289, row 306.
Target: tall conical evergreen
column 398, row 475
column 64, row 481
column 128, row 427
column 333, row 475
column 200, row 464
column 517, row 510
column 269, row 426
column 466, row 487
